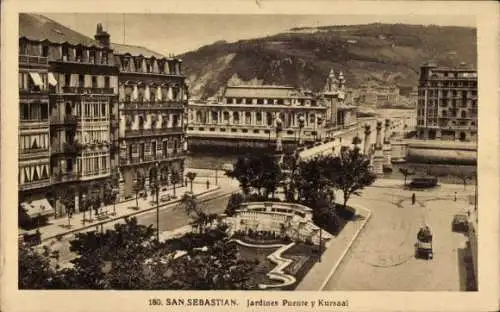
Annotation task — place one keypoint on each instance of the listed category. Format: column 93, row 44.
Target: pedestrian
column 455, row 196
column 413, row 199
column 208, row 184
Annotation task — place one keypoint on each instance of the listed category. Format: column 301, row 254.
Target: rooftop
column 38, row 27
column 262, row 91
column 135, row 50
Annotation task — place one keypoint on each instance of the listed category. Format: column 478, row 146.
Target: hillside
column 302, row 57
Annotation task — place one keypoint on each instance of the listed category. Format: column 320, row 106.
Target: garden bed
column 304, row 256
column 264, row 266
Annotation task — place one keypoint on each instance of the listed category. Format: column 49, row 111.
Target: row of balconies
column 153, row 132
column 151, row 158
column 88, row 90
column 163, row 104
column 28, row 60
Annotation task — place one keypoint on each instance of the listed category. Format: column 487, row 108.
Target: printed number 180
column 155, row 302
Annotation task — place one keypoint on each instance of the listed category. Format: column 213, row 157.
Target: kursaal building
column 93, row 115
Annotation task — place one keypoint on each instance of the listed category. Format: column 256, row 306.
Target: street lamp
column 156, row 188
column 115, row 195
column 84, row 204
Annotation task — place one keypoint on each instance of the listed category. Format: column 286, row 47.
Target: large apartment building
column 447, row 103
column 152, row 99
column 89, row 112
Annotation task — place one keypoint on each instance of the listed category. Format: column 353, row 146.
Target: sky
column 179, row 33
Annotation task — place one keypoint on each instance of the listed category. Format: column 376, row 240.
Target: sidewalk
column 59, row 227
column 335, row 251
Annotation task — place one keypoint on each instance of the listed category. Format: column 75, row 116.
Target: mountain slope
column 302, row 57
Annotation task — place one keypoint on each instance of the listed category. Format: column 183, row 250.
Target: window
column 153, row 149
column 65, row 53
column 165, row 148
column 106, row 82
column 92, row 56
column 44, row 111
column 141, row 151
column 45, row 51
column 67, row 80
column 94, row 82
column 141, row 122
column 236, row 117
column 79, row 54
column 81, row 81
column 103, row 110
column 24, row 111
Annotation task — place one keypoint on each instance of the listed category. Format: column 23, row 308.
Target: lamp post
column 115, row 195
column 84, row 204
column 216, row 171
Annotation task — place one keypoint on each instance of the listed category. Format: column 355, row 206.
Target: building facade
column 246, row 115
column 92, row 115
column 447, row 103
column 375, row 95
column 73, row 95
column 152, row 100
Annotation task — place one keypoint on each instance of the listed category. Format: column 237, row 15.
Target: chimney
column 102, row 36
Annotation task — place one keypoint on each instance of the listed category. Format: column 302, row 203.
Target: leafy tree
column 138, row 186
column 191, row 176
column 352, row 173
column 35, row 271
column 317, row 175
column 406, row 173
column 258, row 172
column 234, row 202
column 200, row 218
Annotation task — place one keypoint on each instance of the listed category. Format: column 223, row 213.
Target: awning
column 52, row 80
column 36, row 79
column 37, row 208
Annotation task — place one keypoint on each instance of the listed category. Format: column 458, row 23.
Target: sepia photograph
column 329, row 152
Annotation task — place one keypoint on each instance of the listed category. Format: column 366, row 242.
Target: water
column 445, row 173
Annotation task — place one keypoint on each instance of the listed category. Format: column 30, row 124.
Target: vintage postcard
column 249, row 156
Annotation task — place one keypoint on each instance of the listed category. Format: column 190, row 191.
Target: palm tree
column 191, row 176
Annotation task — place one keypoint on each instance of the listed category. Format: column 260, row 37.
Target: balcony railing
column 34, row 152
column 66, row 148
column 153, row 132
column 164, row 104
column 149, row 158
column 104, row 61
column 27, row 59
column 33, row 124
column 34, row 184
column 87, row 90
column 126, row 70
column 65, row 177
column 64, row 120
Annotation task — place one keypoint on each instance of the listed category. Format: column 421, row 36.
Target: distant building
column 447, row 103
column 248, row 114
column 375, row 95
column 413, row 97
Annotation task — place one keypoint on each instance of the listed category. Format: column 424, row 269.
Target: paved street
column 382, row 258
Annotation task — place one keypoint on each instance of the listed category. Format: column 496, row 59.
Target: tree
column 200, row 219
column 175, row 178
column 138, row 186
column 191, row 176
column 352, row 173
column 406, row 173
column 258, row 172
column 463, row 176
column 315, row 176
column 34, row 271
column 234, row 202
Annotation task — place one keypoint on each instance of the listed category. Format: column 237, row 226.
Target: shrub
column 234, row 203
column 347, row 213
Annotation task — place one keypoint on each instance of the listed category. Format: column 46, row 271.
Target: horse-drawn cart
column 423, row 247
